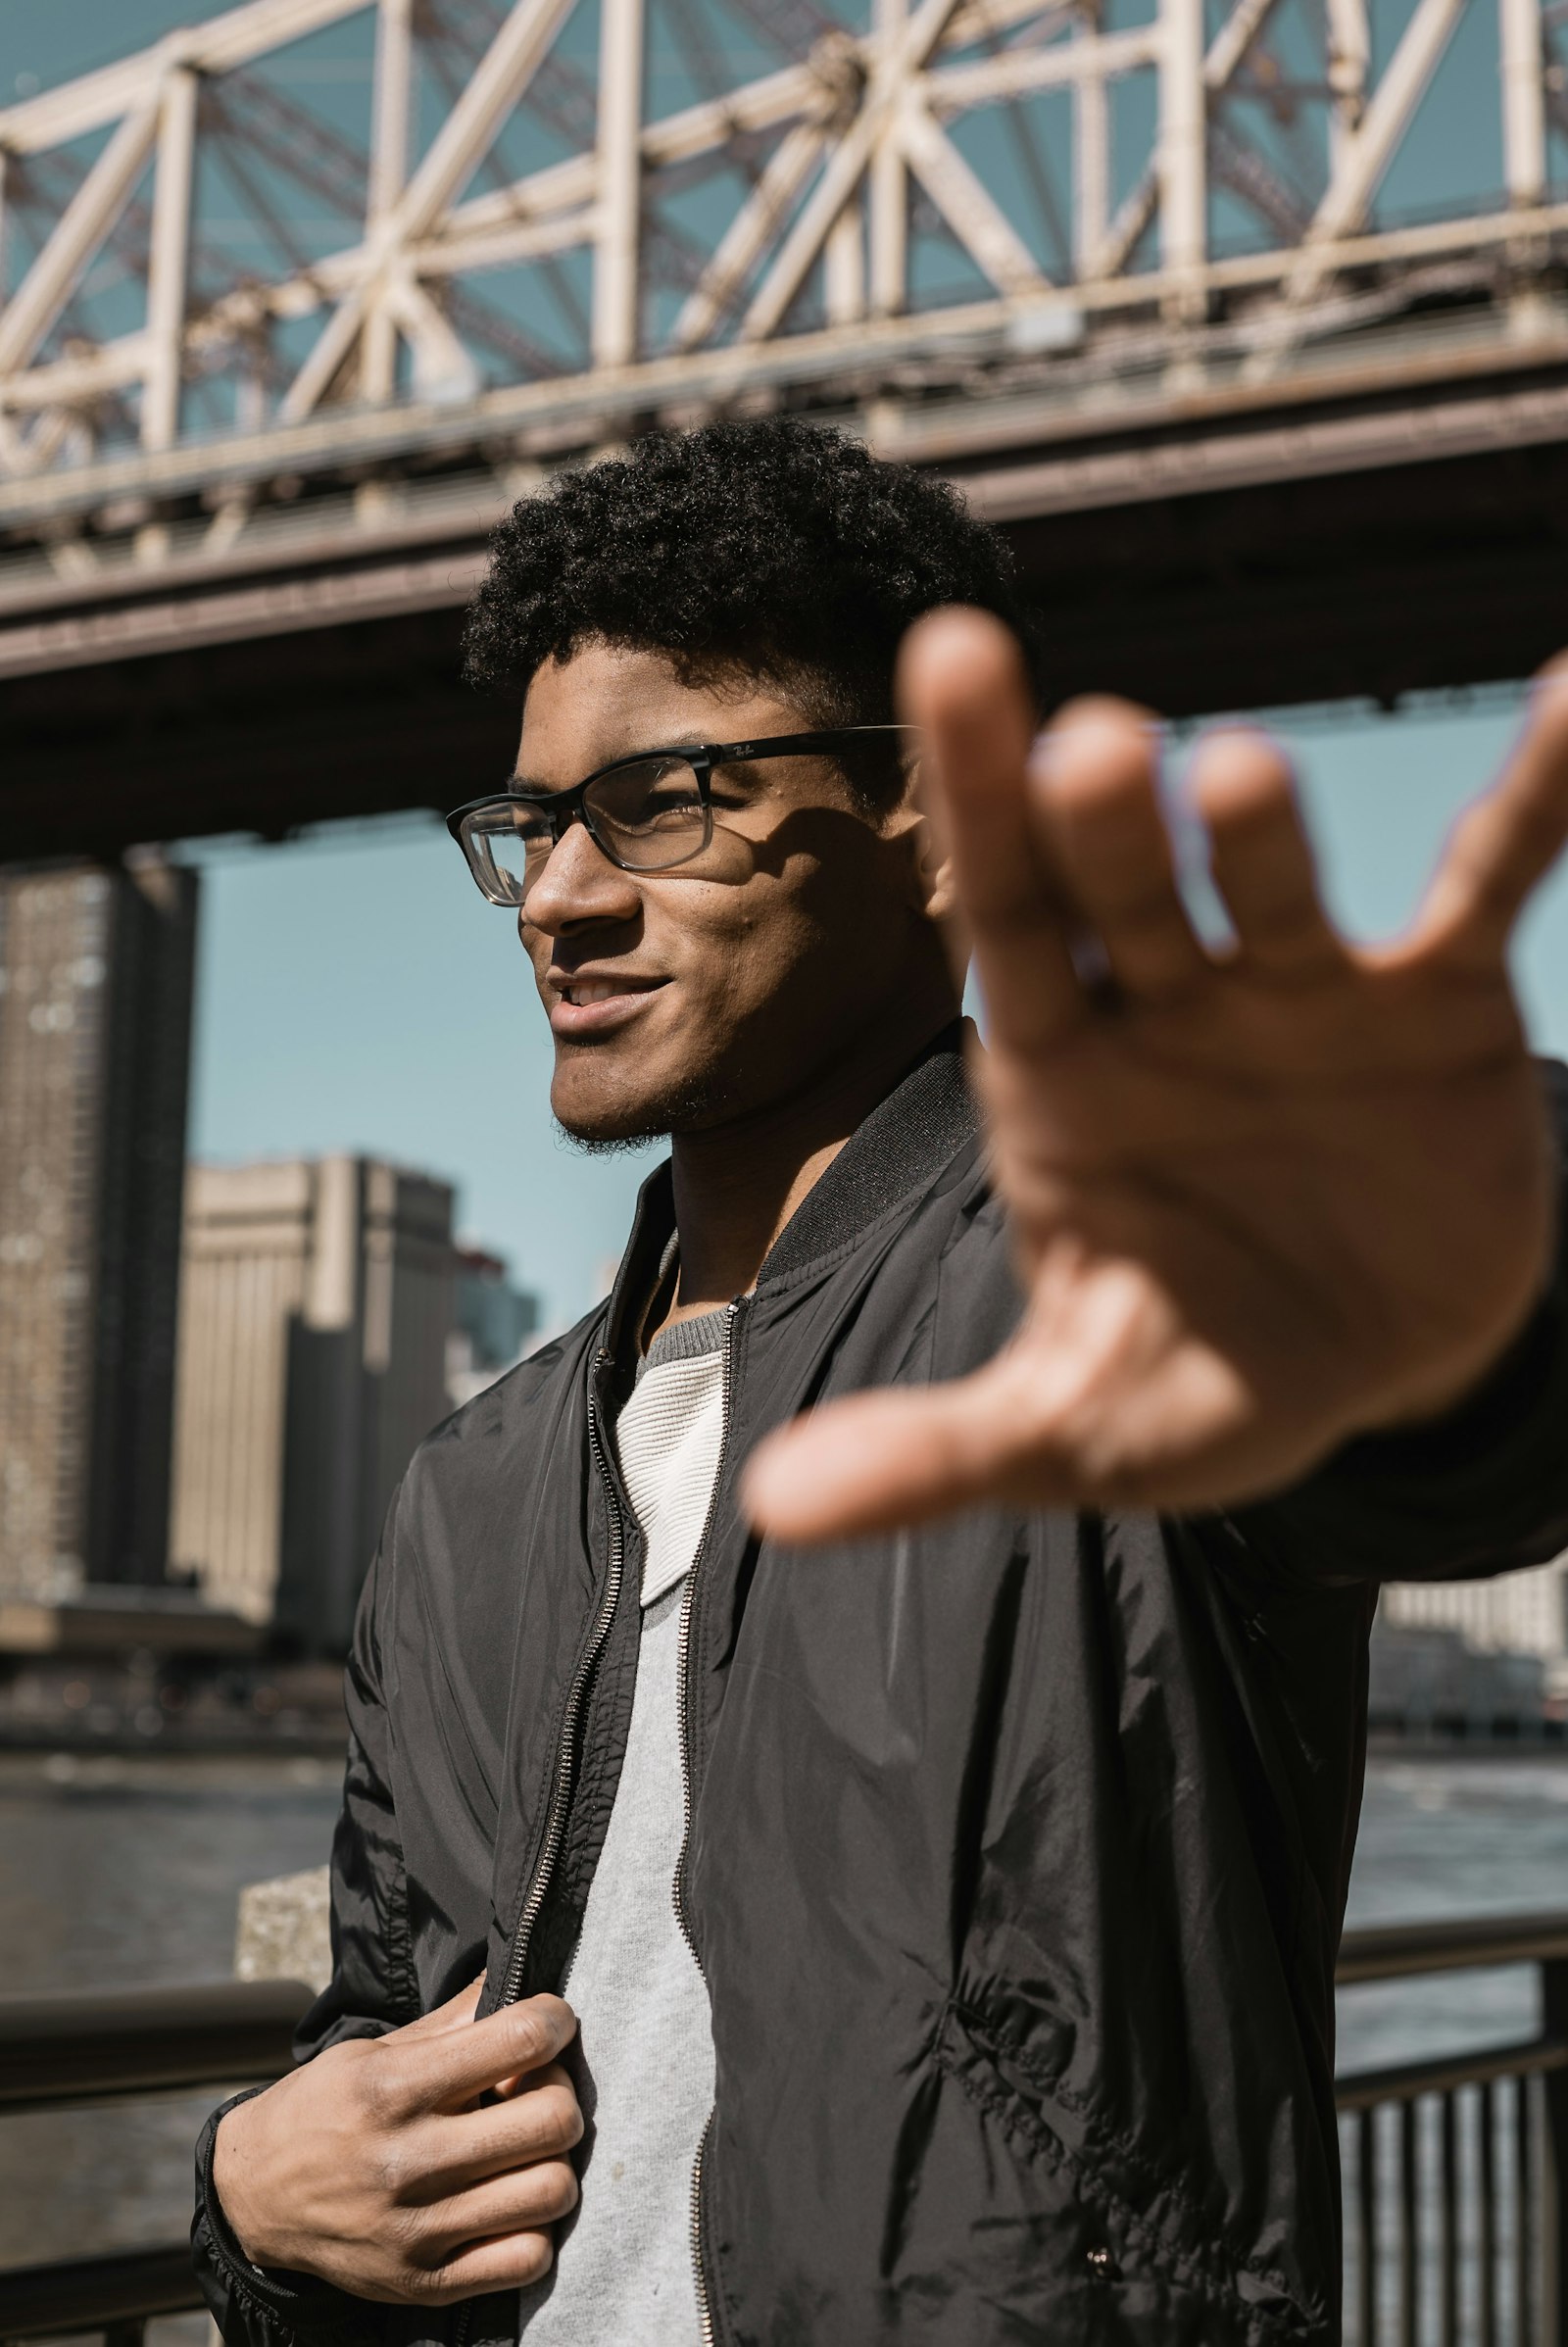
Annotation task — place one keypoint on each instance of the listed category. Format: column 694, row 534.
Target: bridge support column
column 1091, row 127
column 620, row 96
column 889, row 191
column 167, row 260
column 389, row 169
column 1524, row 151
column 1182, row 163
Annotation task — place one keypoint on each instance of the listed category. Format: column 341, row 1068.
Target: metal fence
column 1455, row 2169
column 88, row 2048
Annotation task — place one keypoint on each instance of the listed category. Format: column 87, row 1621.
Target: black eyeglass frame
column 570, row 805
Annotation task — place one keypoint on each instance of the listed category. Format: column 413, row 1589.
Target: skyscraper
column 96, row 971
column 314, row 1313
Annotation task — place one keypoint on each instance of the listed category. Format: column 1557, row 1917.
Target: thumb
column 879, row 1461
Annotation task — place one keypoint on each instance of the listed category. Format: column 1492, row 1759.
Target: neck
column 737, row 1185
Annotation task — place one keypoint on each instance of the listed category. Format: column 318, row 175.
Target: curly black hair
column 768, row 547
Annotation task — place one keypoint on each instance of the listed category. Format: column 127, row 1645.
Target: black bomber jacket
column 1017, row 1844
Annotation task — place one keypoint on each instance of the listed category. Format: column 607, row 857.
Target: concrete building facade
column 314, row 1313
column 1516, row 1613
column 96, row 974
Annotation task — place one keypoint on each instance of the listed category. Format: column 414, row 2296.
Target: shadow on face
column 681, row 1000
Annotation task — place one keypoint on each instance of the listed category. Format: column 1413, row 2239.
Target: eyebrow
column 524, row 786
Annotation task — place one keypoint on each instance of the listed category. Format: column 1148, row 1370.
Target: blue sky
column 356, row 993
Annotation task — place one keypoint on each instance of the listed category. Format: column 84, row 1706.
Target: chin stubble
column 694, row 1105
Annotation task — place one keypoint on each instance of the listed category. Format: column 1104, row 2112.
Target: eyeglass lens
column 646, row 817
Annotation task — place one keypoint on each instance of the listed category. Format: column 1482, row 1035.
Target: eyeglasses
column 646, row 814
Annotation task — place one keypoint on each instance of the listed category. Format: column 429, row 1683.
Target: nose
column 577, row 884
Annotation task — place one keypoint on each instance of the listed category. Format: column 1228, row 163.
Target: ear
column 931, row 874
column 916, row 824
column 939, row 901
column 917, row 829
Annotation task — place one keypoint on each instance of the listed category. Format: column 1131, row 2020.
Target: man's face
column 680, row 1000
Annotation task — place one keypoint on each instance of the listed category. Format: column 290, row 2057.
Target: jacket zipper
column 561, row 1796
column 705, row 2311
column 561, row 1791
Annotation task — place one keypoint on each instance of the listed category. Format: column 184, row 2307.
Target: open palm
column 1263, row 1197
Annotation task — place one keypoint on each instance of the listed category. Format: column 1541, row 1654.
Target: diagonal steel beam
column 966, row 206
column 461, row 144
column 748, row 235
column 1238, row 165
column 1229, row 48
column 167, row 260
column 1134, row 215
column 511, row 227
column 217, row 46
column 98, row 203
column 454, row 156
column 1035, row 165
column 903, row 54
column 443, row 369
column 1365, row 155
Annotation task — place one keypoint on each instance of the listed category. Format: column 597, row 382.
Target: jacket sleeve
column 1481, row 1491
column 372, row 1989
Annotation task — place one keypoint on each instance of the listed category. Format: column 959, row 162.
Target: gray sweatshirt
column 624, row 2266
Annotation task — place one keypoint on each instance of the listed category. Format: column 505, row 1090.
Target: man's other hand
column 1263, row 1194
column 376, row 2166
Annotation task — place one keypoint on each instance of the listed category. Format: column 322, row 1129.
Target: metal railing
column 59, row 2050
column 1455, row 2169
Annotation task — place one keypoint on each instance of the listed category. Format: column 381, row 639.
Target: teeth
column 591, row 990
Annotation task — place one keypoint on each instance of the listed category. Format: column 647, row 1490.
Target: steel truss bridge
column 1245, row 318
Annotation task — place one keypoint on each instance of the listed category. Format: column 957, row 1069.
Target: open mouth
column 593, row 1006
column 583, row 991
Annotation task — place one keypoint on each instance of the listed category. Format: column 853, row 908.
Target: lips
column 599, row 1002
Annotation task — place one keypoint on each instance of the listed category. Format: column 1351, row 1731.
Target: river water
column 127, row 1871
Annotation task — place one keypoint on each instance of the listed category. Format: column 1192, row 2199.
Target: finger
column 882, row 1460
column 961, row 680
column 1260, row 854
column 510, row 2262
column 542, row 2122
column 1506, row 844
column 522, row 2201
column 455, row 2014
column 1093, row 788
column 450, row 2070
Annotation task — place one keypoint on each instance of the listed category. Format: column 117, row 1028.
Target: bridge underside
column 323, row 683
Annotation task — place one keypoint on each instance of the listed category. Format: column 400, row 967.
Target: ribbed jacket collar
column 897, row 1151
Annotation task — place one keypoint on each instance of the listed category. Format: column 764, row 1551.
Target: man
column 882, row 1703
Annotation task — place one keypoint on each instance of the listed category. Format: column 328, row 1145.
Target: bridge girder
column 1258, row 434
column 769, row 240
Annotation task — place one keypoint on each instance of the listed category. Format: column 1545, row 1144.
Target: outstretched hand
column 1261, row 1197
